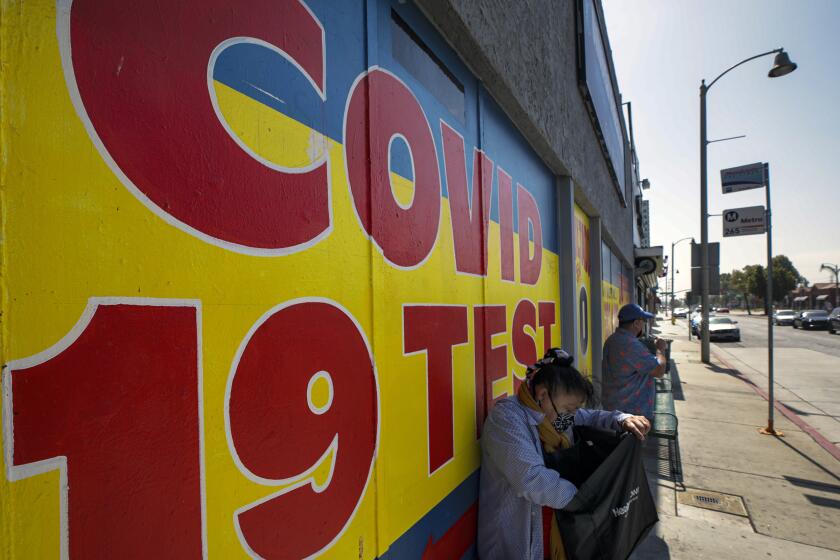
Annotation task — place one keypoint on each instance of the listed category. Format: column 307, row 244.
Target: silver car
column 724, row 328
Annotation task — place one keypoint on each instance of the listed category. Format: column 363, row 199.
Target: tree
column 738, row 282
column 752, row 281
column 749, row 281
column 727, row 291
column 785, row 277
column 756, row 279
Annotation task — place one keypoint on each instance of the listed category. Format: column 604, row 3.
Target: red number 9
column 278, row 436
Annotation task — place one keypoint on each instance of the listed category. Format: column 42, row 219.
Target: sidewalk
column 789, row 486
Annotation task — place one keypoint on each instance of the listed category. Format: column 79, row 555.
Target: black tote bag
column 613, row 509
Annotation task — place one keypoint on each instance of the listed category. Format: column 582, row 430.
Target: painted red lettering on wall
column 144, row 87
column 470, row 214
column 490, row 361
column 457, row 540
column 529, row 219
column 117, row 411
column 524, row 346
column 276, row 435
column 435, row 329
column 548, row 317
column 506, row 225
column 405, row 236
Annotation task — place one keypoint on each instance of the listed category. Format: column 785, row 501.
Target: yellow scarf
column 551, row 440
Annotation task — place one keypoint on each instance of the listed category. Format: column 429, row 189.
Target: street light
column 781, row 67
column 673, row 266
column 836, row 270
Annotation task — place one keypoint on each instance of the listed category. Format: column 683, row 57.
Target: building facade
column 820, row 295
column 267, row 265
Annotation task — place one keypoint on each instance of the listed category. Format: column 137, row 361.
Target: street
column 807, row 369
column 754, row 334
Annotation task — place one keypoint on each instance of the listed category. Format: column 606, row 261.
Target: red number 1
column 115, row 406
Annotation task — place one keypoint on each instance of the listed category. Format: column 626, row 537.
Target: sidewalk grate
column 717, row 501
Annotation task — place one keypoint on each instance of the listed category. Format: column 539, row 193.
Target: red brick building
column 821, row 295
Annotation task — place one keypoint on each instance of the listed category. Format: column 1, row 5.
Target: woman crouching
column 515, row 483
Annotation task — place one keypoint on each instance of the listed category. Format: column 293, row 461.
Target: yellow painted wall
column 583, row 291
column 72, row 231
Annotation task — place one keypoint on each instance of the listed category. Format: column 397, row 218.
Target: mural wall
column 266, row 267
column 616, row 289
column 583, row 358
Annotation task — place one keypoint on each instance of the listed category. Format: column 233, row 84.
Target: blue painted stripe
column 411, row 544
column 269, row 78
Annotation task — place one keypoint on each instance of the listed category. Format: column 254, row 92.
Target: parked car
column 784, row 317
column 696, row 323
column 722, row 310
column 723, row 328
column 680, row 312
column 811, row 319
column 834, row 321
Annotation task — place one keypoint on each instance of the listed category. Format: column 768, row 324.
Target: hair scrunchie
column 554, row 356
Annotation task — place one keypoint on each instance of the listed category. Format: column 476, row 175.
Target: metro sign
column 750, row 220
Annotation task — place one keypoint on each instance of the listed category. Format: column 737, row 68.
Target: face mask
column 564, row 421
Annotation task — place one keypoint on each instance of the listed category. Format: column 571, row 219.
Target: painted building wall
column 616, row 289
column 263, row 275
column 583, row 290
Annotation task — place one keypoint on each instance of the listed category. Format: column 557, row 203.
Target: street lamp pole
column 673, row 266
column 832, row 268
column 781, row 66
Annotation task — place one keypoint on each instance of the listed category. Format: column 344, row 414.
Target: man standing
column 629, row 367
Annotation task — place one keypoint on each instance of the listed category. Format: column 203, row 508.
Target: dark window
column 413, row 54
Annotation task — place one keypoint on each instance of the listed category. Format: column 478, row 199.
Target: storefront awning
column 822, row 297
column 800, row 298
column 648, row 266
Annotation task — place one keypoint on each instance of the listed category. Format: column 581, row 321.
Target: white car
column 784, row 316
column 724, row 328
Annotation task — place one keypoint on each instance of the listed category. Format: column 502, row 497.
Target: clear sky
column 663, row 48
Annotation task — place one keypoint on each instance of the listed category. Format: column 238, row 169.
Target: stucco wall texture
column 524, row 53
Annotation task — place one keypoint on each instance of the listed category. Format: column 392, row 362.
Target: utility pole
column 673, row 268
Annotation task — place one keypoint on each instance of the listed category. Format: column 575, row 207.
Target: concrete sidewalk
column 789, row 486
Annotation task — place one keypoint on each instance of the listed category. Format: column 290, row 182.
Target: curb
column 832, row 449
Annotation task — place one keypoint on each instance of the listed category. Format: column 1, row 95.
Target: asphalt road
column 754, row 335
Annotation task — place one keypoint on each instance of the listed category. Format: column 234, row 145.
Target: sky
column 663, row 48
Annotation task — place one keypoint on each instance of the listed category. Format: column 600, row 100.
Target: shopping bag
column 613, row 509
column 592, row 446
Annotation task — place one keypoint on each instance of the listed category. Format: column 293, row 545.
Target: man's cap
column 631, row 312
